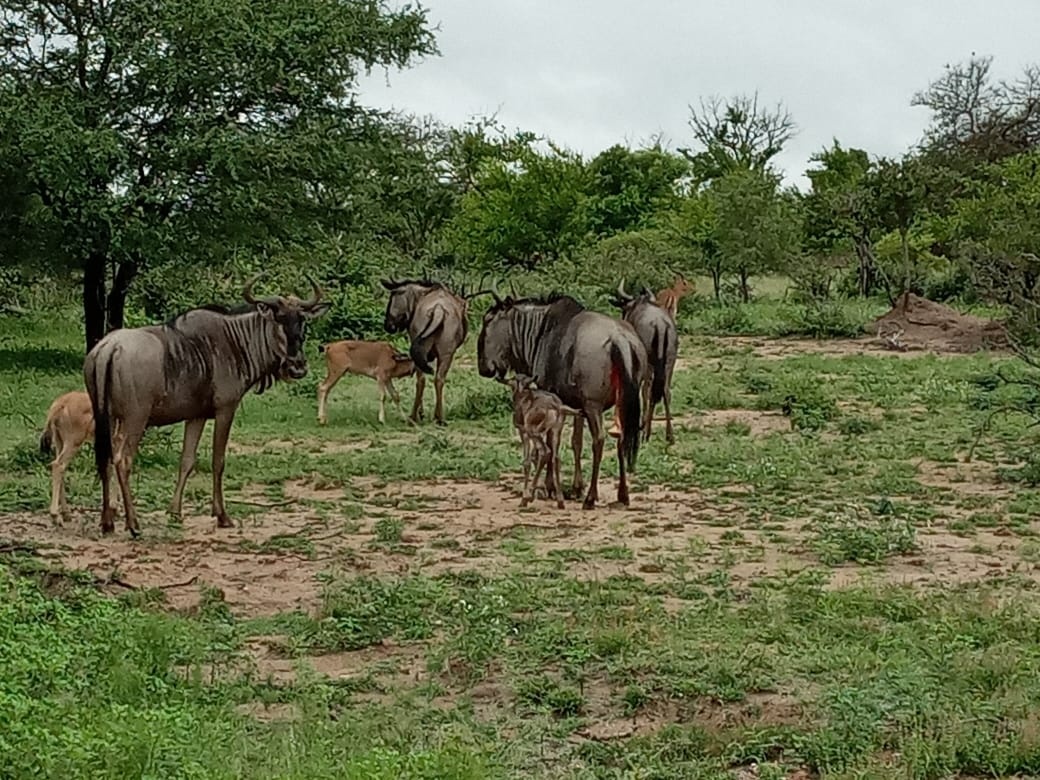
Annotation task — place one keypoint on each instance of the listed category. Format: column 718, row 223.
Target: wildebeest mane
column 548, row 299
column 218, row 308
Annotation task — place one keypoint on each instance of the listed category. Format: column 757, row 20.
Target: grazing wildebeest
column 538, row 416
column 376, row 359
column 194, row 368
column 592, row 362
column 658, row 333
column 436, row 322
column 668, row 298
column 70, row 422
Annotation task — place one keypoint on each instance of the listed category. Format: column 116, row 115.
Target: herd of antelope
column 566, row 361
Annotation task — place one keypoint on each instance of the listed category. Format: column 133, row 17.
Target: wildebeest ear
column 317, row 310
column 265, row 309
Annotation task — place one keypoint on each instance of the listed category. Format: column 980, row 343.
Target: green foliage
column 863, row 538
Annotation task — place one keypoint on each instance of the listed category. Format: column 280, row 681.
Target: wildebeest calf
column 70, row 422
column 538, row 416
column 376, row 359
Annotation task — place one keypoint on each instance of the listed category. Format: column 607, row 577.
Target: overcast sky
column 592, row 74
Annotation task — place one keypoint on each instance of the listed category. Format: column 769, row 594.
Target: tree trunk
column 905, row 246
column 116, row 307
column 867, row 269
column 94, row 319
column 745, row 288
column 716, row 282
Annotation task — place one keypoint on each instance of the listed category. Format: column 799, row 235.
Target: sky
column 592, row 74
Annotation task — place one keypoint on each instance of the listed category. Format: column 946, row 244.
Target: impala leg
column 396, row 396
column 331, row 378
column 221, row 431
column 58, row 507
column 189, row 450
column 648, row 406
column 382, row 400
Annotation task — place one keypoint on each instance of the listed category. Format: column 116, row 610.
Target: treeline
column 153, row 151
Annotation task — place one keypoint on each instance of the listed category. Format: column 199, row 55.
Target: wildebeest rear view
column 591, row 361
column 194, row 368
column 657, row 331
column 435, row 319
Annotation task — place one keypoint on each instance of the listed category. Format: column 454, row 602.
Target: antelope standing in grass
column 435, row 319
column 376, row 359
column 196, row 367
column 70, row 423
column 659, row 335
column 539, row 417
column 592, row 362
column 668, row 298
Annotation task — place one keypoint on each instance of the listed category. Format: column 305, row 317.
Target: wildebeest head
column 494, row 345
column 627, row 303
column 291, row 315
column 404, row 294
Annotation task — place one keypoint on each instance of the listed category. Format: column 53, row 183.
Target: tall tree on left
column 168, row 128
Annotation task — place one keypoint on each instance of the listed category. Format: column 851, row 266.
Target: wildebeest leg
column 668, row 435
column 192, row 433
column 323, row 395
column 443, row 364
column 648, row 406
column 541, row 460
column 553, row 472
column 598, row 437
column 108, row 512
column 221, row 431
column 578, row 485
column 132, row 430
column 417, row 407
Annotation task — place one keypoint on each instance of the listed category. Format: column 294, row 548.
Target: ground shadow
column 45, row 360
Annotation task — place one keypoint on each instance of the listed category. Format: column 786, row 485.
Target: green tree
column 626, row 188
column 757, row 226
column 188, row 128
column 522, row 212
column 691, row 228
column 841, row 211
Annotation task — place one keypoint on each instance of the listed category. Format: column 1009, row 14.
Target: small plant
column 863, row 538
column 856, row 426
column 389, row 531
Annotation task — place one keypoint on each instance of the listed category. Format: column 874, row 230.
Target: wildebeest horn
column 315, row 297
column 247, row 293
column 390, row 284
column 494, row 291
column 621, row 291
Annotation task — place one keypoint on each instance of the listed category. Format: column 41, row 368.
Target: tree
column 692, row 228
column 157, row 130
column 841, row 210
column 626, row 188
column 736, row 134
column 756, row 226
column 980, row 119
column 522, row 212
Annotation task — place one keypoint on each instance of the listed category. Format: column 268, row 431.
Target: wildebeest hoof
column 588, row 504
column 134, row 533
column 559, row 505
column 223, row 521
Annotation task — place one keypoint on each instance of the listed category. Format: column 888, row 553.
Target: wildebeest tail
column 659, row 347
column 417, row 352
column 99, row 387
column 629, row 408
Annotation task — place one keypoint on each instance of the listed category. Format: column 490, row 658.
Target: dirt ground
column 271, row 563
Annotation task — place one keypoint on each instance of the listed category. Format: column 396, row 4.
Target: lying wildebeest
column 658, row 333
column 592, row 362
column 194, row 368
column 538, row 416
column 668, row 298
column 436, row 322
column 376, row 359
column 70, row 422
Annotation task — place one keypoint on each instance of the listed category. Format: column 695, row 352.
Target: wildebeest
column 668, row 298
column 658, row 333
column 538, row 416
column 194, row 368
column 591, row 361
column 69, row 423
column 435, row 319
column 376, row 359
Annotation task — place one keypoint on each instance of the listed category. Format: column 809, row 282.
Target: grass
column 756, row 607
